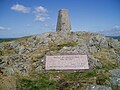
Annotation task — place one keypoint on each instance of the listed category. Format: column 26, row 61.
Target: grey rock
column 118, row 58
column 23, row 50
column 20, row 63
column 93, row 62
column 10, row 71
column 96, row 43
column 115, row 72
column 103, row 42
column 15, row 44
column 115, row 83
column 113, row 43
column 74, row 50
column 115, row 79
column 98, row 87
column 1, row 46
column 92, row 49
column 38, row 69
column 3, row 62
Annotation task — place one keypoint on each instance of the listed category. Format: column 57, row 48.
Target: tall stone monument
column 63, row 22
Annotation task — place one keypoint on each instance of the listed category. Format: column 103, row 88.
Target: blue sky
column 27, row 17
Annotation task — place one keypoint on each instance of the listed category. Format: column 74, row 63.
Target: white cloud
column 41, row 14
column 40, row 9
column 39, row 17
column 20, row 8
column 4, row 28
column 117, row 26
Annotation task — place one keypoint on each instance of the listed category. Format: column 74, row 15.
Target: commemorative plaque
column 66, row 62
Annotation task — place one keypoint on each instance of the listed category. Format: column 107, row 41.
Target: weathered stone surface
column 115, row 83
column 93, row 62
column 63, row 23
column 38, row 69
column 10, row 71
column 115, row 72
column 98, row 87
column 113, row 43
column 20, row 63
column 3, row 62
column 115, row 79
column 118, row 58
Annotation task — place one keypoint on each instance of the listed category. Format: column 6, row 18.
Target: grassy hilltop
column 22, row 61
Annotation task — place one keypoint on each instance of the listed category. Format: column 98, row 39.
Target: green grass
column 41, row 83
column 5, row 40
column 54, row 47
column 53, row 80
column 12, row 39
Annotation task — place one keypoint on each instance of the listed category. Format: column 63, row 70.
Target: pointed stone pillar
column 63, row 22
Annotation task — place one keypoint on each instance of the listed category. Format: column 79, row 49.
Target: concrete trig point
column 63, row 22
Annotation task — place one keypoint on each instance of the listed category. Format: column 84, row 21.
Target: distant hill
column 6, row 39
column 112, row 32
column 11, row 39
column 114, row 37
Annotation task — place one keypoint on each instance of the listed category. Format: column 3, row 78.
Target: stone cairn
column 63, row 22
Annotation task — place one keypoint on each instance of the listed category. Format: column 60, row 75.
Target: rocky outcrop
column 24, row 55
